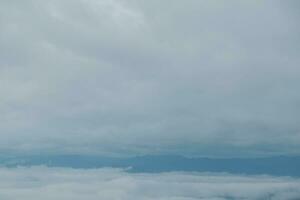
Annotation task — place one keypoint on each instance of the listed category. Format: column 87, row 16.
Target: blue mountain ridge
column 277, row 166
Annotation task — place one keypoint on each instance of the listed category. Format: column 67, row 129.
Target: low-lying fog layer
column 36, row 183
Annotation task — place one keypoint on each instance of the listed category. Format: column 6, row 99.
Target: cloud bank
column 114, row 184
column 136, row 77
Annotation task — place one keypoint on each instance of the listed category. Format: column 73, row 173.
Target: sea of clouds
column 36, row 183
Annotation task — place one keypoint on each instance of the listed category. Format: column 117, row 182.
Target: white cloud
column 115, row 184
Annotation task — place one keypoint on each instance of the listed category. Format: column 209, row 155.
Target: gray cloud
column 130, row 77
column 62, row 183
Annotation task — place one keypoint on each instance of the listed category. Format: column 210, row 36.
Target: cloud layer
column 114, row 184
column 135, row 77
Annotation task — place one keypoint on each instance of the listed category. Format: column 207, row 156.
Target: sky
column 114, row 184
column 134, row 77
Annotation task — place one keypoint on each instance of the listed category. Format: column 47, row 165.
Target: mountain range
column 278, row 166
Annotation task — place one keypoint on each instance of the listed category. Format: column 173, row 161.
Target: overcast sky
column 131, row 77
